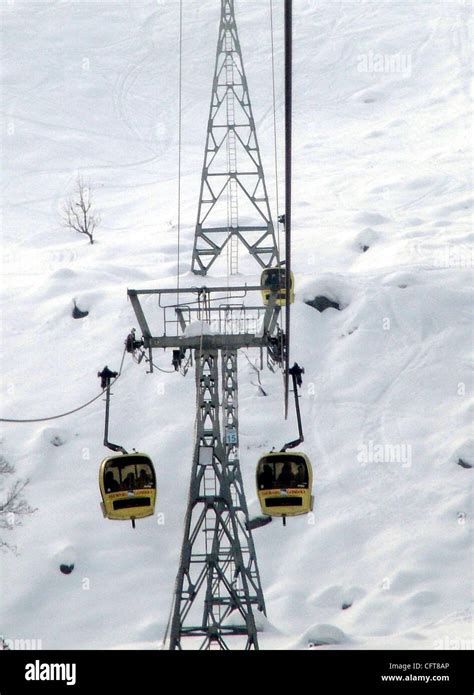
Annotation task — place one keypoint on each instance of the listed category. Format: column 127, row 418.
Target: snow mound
column 321, row 635
column 197, row 328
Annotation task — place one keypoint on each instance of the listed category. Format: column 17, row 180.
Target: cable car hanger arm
column 295, row 372
column 106, row 375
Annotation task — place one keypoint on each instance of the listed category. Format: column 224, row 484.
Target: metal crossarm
column 234, row 325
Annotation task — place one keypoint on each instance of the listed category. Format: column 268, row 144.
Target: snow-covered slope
column 382, row 160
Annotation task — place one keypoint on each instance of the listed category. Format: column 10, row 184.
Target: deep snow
column 382, row 160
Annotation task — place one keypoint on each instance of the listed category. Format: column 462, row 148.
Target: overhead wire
column 69, row 412
column 275, row 145
column 160, row 369
column 288, row 175
column 180, row 89
column 275, row 135
column 150, row 361
column 180, row 138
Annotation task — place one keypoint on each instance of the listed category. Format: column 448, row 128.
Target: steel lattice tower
column 218, row 587
column 230, row 429
column 218, row 583
column 233, row 204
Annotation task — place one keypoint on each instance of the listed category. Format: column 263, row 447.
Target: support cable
column 180, row 129
column 275, row 138
column 155, row 366
column 288, row 174
column 76, row 410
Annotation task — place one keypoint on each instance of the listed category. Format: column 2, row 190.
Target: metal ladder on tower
column 232, row 193
column 232, row 178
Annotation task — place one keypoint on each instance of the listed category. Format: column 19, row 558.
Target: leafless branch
column 5, row 467
column 14, row 505
column 78, row 213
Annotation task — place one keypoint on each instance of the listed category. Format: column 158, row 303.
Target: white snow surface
column 382, row 157
column 198, row 328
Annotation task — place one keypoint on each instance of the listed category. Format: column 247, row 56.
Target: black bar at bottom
column 325, row 669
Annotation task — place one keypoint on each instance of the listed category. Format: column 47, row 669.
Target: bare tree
column 13, row 504
column 79, row 213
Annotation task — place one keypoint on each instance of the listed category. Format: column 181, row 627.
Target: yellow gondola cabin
column 284, row 483
column 273, row 281
column 128, row 487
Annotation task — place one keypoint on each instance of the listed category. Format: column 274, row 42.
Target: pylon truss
column 230, row 428
column 218, row 586
column 215, row 590
column 233, row 203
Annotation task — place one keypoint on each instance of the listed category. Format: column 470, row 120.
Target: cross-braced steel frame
column 233, row 202
column 218, row 587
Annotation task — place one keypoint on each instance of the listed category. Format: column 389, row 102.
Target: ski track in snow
column 381, row 159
